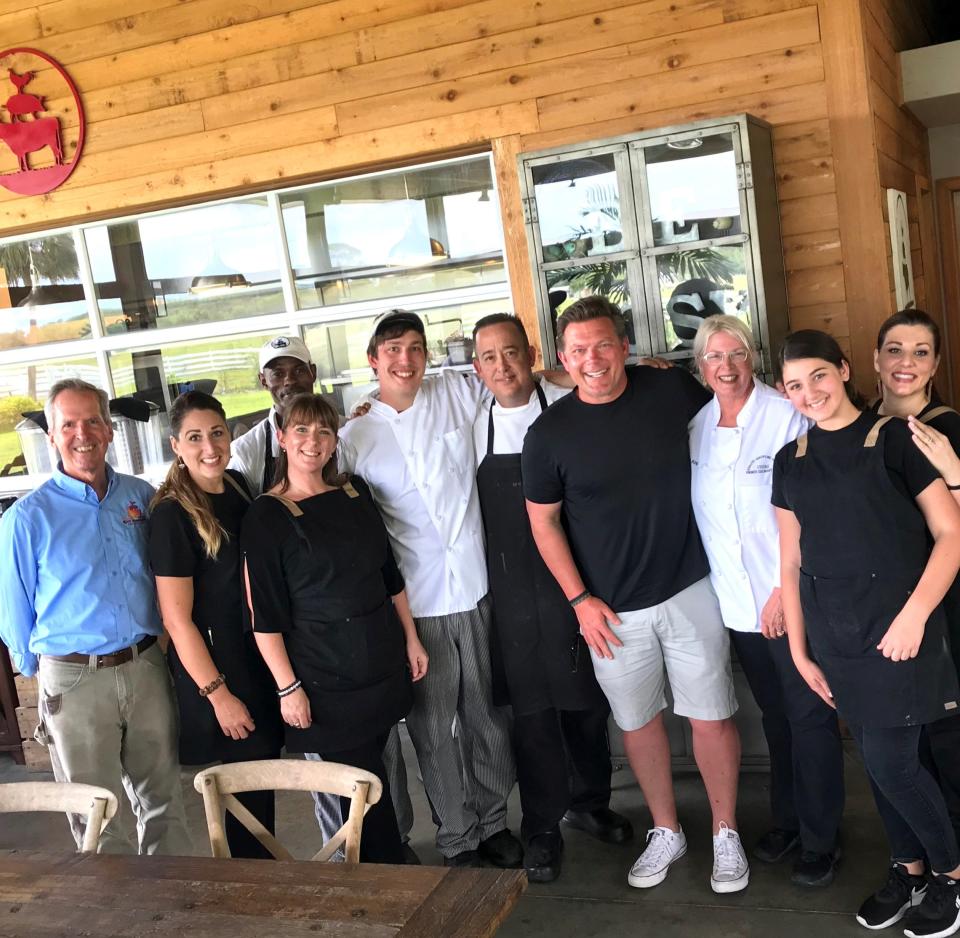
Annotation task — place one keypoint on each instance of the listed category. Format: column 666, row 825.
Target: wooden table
column 47, row 895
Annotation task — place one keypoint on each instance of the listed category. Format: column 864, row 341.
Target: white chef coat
column 731, row 472
column 248, row 453
column 421, row 469
column 510, row 424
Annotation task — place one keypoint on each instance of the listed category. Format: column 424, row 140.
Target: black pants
column 910, row 804
column 380, row 841
column 261, row 804
column 806, row 753
column 943, row 742
column 563, row 762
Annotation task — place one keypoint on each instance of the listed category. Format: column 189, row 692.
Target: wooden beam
column 505, row 153
column 859, row 217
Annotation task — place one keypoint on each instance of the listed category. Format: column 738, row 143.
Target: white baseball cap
column 284, row 346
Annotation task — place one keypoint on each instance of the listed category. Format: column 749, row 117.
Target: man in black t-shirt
column 606, row 474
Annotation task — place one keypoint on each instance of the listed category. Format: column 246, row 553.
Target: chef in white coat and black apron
column 540, row 662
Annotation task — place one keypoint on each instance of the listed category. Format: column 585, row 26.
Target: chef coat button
column 729, row 505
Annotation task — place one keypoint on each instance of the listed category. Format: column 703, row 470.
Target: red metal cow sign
column 34, row 122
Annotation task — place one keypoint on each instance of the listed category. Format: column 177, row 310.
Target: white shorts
column 684, row 634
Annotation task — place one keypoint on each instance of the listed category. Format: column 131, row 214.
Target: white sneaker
column 663, row 847
column 731, row 872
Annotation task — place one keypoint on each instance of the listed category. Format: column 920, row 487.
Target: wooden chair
column 98, row 804
column 219, row 783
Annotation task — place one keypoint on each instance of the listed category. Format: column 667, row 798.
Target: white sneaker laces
column 658, row 850
column 727, row 853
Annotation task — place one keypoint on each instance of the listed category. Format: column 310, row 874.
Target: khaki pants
column 117, row 728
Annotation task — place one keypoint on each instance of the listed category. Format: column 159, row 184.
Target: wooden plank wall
column 903, row 150
column 192, row 98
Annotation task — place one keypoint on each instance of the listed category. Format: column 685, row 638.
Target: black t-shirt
column 622, row 471
column 219, row 613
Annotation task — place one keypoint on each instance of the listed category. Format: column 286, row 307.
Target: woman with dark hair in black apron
column 228, row 711
column 906, row 361
column 857, row 504
column 330, row 614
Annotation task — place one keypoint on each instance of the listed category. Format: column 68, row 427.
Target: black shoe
column 775, row 844
column 900, row 893
column 410, row 856
column 465, row 858
column 815, row 869
column 542, row 857
column 602, row 823
column 939, row 913
column 502, row 849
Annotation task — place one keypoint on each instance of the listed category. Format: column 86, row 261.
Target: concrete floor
column 592, row 898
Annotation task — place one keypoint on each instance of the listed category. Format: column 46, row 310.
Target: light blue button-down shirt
column 74, row 571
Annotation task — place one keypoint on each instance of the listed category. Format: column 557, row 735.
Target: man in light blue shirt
column 78, row 608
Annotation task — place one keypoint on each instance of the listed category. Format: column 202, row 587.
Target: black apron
column 847, row 616
column 538, row 657
column 358, row 683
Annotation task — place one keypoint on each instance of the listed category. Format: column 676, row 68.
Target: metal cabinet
column 672, row 225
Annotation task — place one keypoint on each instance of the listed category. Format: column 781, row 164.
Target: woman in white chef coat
column 733, row 441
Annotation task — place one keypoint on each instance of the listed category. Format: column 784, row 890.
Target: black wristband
column 579, row 599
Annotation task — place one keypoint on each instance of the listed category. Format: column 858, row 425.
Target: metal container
column 136, row 448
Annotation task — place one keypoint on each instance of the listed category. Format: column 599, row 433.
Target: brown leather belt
column 113, row 659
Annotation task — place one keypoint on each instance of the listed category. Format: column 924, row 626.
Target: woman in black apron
column 330, row 614
column 856, row 505
column 228, row 712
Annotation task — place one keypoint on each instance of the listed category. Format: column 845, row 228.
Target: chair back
column 99, row 805
column 220, row 783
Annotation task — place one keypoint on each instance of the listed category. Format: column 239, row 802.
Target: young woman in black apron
column 330, row 615
column 228, row 711
column 857, row 505
column 906, row 361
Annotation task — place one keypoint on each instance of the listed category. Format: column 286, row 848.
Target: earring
column 181, row 464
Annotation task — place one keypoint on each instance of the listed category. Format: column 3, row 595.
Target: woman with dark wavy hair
column 228, row 712
column 869, row 545
column 330, row 614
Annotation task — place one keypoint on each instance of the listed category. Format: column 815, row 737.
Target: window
column 413, row 231
column 149, row 306
column 672, row 226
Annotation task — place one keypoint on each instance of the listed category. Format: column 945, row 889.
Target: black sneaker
column 939, row 913
column 775, row 844
column 815, row 869
column 900, row 893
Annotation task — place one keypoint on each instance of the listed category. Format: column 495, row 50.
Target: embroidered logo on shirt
column 760, row 465
column 134, row 514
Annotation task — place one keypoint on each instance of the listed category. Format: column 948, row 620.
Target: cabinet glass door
column 579, row 208
column 692, row 188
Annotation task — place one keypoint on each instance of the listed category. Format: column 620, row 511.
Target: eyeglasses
column 736, row 357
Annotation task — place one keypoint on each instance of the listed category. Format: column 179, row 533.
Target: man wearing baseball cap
column 286, row 370
column 415, row 450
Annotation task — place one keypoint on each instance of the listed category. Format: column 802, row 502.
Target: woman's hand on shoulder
column 232, row 714
column 936, row 447
column 902, row 640
column 417, row 659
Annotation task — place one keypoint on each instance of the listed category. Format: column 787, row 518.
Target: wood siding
column 189, row 99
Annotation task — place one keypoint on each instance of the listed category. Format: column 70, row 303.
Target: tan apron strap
column 288, row 503
column 801, row 446
column 232, row 481
column 874, row 433
column 936, row 412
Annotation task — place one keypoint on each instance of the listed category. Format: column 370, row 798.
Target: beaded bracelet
column 218, row 681
column 289, row 689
